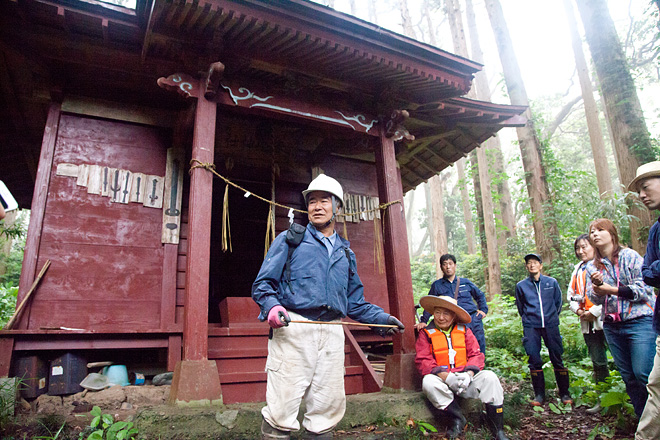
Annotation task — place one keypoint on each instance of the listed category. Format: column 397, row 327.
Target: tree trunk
column 410, row 207
column 590, row 109
column 630, row 136
column 490, row 244
column 467, row 210
column 494, row 271
column 493, row 145
column 426, row 12
column 429, row 215
column 406, row 21
column 373, row 17
column 352, row 4
column 439, row 229
column 546, row 232
column 476, row 182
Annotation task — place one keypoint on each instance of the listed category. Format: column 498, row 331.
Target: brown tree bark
column 440, row 230
column 467, row 210
column 493, row 145
column 429, row 215
column 590, row 108
column 630, row 136
column 546, row 232
column 406, row 21
column 476, row 182
column 490, row 243
column 409, row 202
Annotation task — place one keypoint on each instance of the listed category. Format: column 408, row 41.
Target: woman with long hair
column 588, row 312
column 614, row 279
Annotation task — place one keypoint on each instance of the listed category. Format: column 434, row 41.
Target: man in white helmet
column 310, row 276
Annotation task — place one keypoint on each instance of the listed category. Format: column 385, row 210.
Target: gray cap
column 535, row 256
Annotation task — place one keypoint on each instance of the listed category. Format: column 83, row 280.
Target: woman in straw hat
column 451, row 364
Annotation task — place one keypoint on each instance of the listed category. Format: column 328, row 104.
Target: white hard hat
column 327, row 184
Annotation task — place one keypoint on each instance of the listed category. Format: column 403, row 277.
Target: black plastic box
column 66, row 373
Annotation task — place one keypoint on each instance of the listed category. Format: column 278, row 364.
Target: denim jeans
column 632, row 344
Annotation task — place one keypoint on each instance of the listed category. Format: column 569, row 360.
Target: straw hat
column 651, row 169
column 430, row 302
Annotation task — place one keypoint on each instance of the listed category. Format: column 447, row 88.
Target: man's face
column 533, row 266
column 444, row 318
column 448, row 267
column 649, row 192
column 319, row 208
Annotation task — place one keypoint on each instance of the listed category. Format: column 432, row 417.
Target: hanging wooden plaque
column 172, row 196
column 94, row 181
column 153, row 194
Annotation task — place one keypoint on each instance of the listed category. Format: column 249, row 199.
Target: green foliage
column 105, row 428
column 7, row 303
column 423, row 275
column 417, row 429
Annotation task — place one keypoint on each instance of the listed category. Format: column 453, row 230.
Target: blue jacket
column 651, row 268
column 322, row 287
column 467, row 291
column 528, row 301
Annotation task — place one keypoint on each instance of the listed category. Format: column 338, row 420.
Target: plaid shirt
column 628, row 272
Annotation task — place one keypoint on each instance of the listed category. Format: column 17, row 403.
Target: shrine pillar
column 400, row 371
column 196, row 378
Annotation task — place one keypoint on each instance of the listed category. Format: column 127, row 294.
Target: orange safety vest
column 579, row 284
column 440, row 346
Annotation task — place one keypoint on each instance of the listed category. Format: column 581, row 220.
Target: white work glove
column 452, row 382
column 463, row 380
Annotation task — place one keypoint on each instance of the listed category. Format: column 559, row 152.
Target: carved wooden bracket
column 185, row 85
column 212, row 80
column 394, row 126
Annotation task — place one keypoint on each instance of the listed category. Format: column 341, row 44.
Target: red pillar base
column 401, row 373
column 196, row 383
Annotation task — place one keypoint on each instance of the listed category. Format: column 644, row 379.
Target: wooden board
column 172, row 196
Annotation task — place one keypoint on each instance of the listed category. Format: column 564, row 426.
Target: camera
column 612, row 317
column 577, row 298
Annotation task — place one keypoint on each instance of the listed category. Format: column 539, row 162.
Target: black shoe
column 538, row 383
column 563, row 381
column 270, row 433
column 495, row 415
column 457, row 421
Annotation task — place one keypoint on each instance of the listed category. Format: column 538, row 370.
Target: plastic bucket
column 117, row 375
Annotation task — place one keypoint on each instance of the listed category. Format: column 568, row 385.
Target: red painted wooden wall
column 107, row 259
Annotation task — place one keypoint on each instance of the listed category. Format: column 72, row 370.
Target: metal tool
column 153, row 197
column 115, row 189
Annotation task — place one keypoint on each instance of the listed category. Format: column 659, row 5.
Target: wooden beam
column 38, row 208
column 424, row 164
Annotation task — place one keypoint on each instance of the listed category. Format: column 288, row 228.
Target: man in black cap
column 539, row 299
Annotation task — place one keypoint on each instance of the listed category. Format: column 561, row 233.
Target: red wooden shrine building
column 102, row 108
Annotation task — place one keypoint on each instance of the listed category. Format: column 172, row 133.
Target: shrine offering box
column 32, row 371
column 66, row 373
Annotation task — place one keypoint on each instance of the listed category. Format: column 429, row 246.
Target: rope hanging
column 270, row 224
column 226, row 231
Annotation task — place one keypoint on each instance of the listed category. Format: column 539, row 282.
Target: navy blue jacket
column 529, row 302
column 467, row 291
column 322, row 287
column 651, row 268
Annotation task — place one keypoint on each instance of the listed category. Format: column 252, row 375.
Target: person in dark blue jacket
column 316, row 281
column 539, row 301
column 647, row 184
column 466, row 295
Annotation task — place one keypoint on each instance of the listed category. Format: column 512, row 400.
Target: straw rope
column 194, row 163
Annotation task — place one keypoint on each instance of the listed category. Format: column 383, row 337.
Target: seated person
column 451, row 364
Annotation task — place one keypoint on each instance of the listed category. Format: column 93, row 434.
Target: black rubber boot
column 270, row 433
column 600, row 374
column 457, row 421
column 495, row 415
column 563, row 381
column 538, row 383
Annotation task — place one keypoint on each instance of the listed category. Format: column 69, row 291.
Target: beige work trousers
column 305, row 363
column 485, row 386
column 649, row 424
